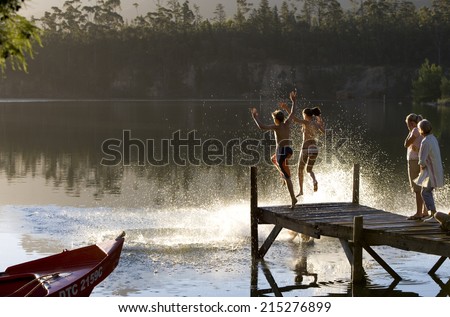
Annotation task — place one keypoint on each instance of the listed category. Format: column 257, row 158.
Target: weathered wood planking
column 356, row 226
column 379, row 227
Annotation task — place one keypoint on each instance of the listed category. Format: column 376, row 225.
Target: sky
column 207, row 7
column 37, row 8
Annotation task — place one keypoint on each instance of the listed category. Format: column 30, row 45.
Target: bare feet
column 316, row 186
column 294, row 201
column 415, row 217
column 300, row 194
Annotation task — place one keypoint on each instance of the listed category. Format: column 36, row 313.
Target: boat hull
column 71, row 273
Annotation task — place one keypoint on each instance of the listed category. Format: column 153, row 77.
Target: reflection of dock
column 357, row 227
column 274, row 288
column 354, row 290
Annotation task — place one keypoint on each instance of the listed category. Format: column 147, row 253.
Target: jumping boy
column 282, row 137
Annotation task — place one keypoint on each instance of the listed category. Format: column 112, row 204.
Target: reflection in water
column 62, row 142
column 445, row 287
column 275, row 289
column 33, row 243
column 374, row 290
column 366, row 290
column 187, row 226
column 301, row 271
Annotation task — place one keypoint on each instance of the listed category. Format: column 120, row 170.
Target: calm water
column 181, row 192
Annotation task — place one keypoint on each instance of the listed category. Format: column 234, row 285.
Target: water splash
column 157, row 227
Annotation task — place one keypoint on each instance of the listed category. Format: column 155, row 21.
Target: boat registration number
column 80, row 286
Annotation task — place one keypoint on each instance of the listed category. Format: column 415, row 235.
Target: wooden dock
column 357, row 227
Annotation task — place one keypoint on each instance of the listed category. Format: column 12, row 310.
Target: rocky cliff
column 209, row 80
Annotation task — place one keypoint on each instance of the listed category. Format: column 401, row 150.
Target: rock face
column 340, row 82
column 211, row 80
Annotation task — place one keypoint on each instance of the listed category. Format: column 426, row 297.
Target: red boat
column 71, row 273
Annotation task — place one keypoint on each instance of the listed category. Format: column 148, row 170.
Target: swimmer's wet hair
column 279, row 115
column 312, row 111
column 307, row 111
column 316, row 111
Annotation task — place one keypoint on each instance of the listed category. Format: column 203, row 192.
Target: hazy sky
column 207, row 7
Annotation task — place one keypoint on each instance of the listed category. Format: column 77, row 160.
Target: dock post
column 254, row 211
column 355, row 184
column 254, row 278
column 357, row 268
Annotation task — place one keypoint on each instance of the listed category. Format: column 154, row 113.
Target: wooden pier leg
column 382, row 262
column 357, row 268
column 254, row 211
column 254, row 279
column 356, row 184
column 270, row 239
column 347, row 250
column 437, row 265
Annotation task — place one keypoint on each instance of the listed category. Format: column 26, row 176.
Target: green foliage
column 17, row 35
column 8, row 6
column 319, row 32
column 445, row 88
column 427, row 86
column 90, row 37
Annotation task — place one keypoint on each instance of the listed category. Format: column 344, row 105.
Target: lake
column 174, row 174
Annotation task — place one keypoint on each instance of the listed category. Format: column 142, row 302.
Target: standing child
column 431, row 170
column 283, row 148
column 412, row 145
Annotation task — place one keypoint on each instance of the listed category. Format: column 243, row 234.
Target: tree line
column 372, row 32
column 97, row 43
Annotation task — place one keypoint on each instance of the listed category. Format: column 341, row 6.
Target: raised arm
column 290, row 111
column 293, row 97
column 260, row 125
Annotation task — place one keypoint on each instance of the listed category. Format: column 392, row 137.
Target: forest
column 92, row 51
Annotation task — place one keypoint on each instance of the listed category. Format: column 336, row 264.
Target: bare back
column 282, row 134
column 280, row 128
column 310, row 129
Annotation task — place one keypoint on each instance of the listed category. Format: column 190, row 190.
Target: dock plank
column 380, row 227
column 357, row 227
